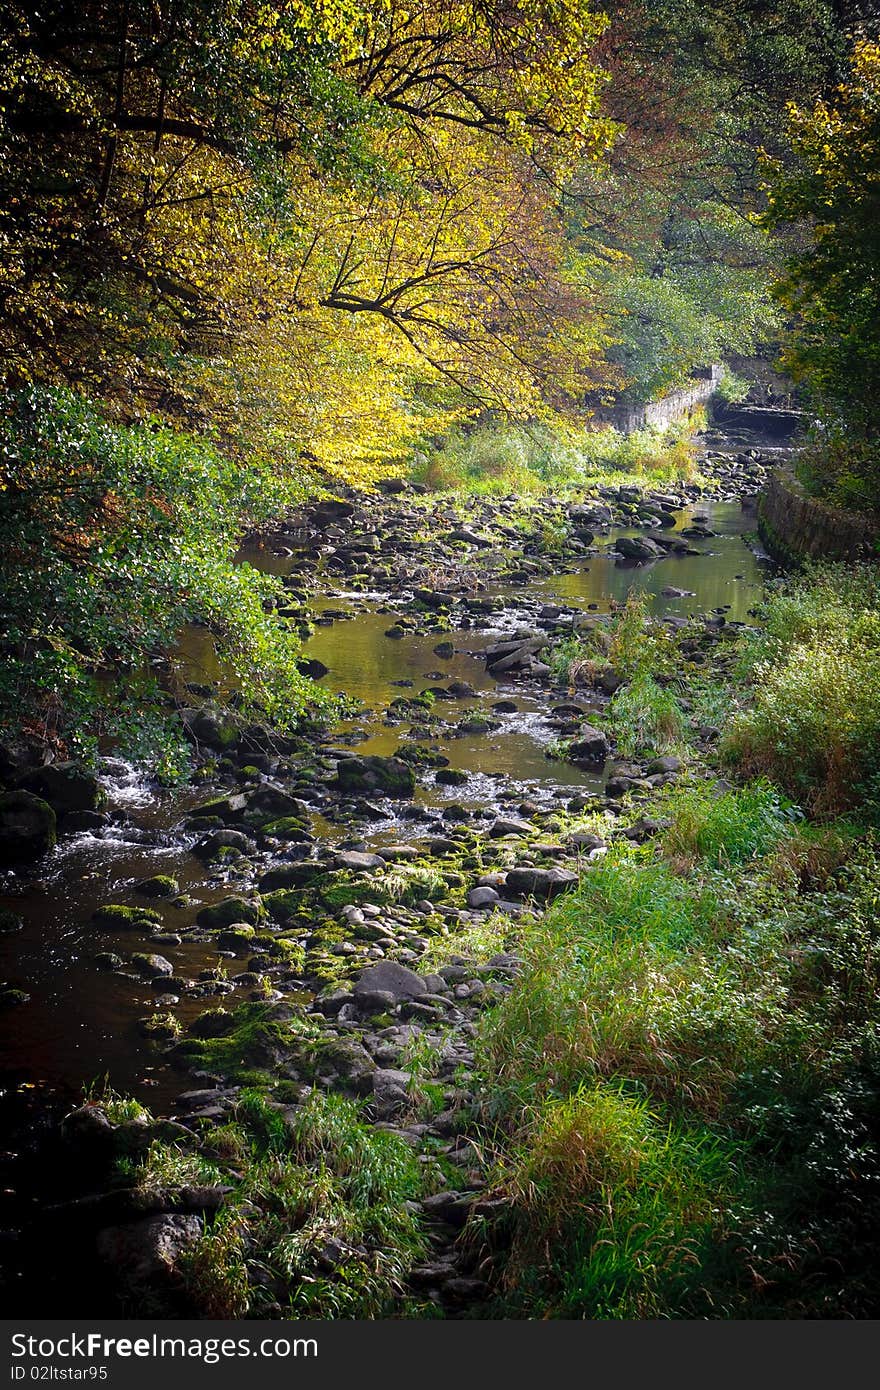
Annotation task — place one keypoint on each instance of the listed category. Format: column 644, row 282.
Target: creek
column 79, row 1025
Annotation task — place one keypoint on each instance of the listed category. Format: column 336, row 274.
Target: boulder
column 312, row 667
column 388, row 977
column 272, row 800
column 509, row 826
column 211, row 845
column 151, row 966
column 539, row 883
column 638, row 548
column 590, row 748
column 65, row 786
column 390, row 1092
column 387, row 776
column 482, row 897
column 228, row 912
column 215, row 730
column 354, row 860
column 288, row 876
column 18, row 755
column 159, row 886
column 144, row 1256
column 28, row 827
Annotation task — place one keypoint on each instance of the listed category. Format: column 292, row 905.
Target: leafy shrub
column 645, row 717
column 112, row 538
column 843, row 469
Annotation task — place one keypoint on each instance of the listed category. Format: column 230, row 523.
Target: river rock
column 18, row 755
column 160, row 886
column 215, row 730
column 290, row 876
column 228, row 912
column 590, row 748
column 355, row 861
column 151, row 966
column 65, row 786
column 638, row 548
column 667, row 763
column 390, row 1092
column 482, row 897
column 272, row 800
column 217, row 840
column 388, row 977
column 539, row 883
column 144, row 1256
column 389, row 776
column 312, row 667
column 27, row 827
column 509, row 826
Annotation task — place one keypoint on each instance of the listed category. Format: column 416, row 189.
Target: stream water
column 80, row 1023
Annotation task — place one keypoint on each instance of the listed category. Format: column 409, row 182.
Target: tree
column 698, row 91
column 186, row 184
column 831, row 285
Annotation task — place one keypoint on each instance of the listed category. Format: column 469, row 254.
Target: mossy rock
column 239, row 937
column 258, row 1038
column 9, row 998
column 117, row 915
column 213, row 1023
column 159, row 1027
column 285, row 903
column 282, row 948
column 222, row 807
column 66, row 787
column 159, row 886
column 28, row 827
column 229, row 912
column 287, row 828
column 348, row 892
column 10, row 922
column 292, row 876
column 450, row 777
column 386, row 776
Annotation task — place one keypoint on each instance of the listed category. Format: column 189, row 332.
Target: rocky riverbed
column 332, row 915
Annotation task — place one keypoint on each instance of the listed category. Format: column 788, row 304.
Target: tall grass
column 495, row 458
column 725, row 827
column 814, row 723
column 621, row 1199
column 682, row 1087
column 645, row 717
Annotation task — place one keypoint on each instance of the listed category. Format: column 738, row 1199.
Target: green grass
column 645, row 717
column 682, row 1089
column 813, row 725
column 724, row 827
column 498, row 459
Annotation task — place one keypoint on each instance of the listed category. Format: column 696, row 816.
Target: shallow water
column 80, row 1023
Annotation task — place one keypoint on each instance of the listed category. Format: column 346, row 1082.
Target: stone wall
column 795, row 527
column 676, row 406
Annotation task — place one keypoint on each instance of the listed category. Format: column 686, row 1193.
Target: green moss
column 229, row 911
column 117, row 915
column 287, row 828
column 159, row 886
column 257, row 1039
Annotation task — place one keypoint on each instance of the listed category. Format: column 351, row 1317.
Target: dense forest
column 379, row 305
